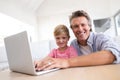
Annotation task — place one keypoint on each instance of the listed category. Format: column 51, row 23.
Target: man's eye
column 75, row 26
column 83, row 25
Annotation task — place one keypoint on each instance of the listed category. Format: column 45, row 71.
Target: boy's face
column 62, row 40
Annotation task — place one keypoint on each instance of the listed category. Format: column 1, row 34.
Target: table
column 104, row 72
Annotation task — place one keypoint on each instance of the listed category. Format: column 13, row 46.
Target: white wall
column 19, row 18
column 49, row 15
column 97, row 8
column 115, row 6
column 53, row 12
column 48, row 23
column 18, row 11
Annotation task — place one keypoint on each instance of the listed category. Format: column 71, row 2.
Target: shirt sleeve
column 52, row 53
column 106, row 43
column 73, row 52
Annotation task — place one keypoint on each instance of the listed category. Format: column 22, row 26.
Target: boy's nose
column 61, row 40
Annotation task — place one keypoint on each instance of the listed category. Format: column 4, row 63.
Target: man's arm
column 96, row 58
column 93, row 59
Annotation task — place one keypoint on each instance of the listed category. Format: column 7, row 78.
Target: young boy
column 61, row 34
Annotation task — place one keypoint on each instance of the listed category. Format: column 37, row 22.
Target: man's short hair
column 81, row 13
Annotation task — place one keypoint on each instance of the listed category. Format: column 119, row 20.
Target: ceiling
column 46, row 5
column 29, row 4
column 55, row 7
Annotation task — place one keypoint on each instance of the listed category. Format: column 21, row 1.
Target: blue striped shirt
column 98, row 42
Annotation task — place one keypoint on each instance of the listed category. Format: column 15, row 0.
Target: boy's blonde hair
column 61, row 29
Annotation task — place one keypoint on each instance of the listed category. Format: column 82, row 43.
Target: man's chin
column 81, row 39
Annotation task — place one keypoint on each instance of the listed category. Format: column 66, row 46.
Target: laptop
column 19, row 55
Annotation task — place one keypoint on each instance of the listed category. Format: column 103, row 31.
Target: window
column 117, row 22
column 101, row 25
column 9, row 26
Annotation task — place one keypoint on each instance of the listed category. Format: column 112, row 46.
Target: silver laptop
column 19, row 55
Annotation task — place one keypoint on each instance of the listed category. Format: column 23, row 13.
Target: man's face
column 80, row 28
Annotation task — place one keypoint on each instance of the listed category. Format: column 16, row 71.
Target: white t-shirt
column 85, row 49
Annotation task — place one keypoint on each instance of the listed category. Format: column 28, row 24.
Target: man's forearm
column 97, row 58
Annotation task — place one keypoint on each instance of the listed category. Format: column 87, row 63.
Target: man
column 92, row 48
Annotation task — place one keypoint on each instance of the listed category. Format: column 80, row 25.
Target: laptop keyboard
column 46, row 71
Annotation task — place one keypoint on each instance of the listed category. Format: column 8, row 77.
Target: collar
column 90, row 39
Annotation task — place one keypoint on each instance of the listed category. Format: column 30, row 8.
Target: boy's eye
column 64, row 37
column 57, row 38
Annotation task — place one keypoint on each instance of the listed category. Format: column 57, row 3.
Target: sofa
column 3, row 59
column 39, row 50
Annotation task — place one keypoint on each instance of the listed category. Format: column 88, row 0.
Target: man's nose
column 80, row 28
